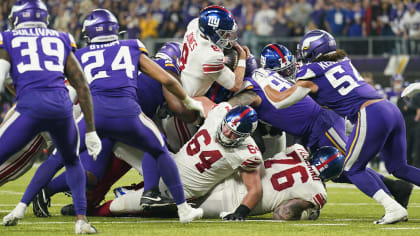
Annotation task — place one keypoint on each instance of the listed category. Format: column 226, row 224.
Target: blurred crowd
column 148, row 19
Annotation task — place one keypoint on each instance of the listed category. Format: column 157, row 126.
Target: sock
column 43, row 175
column 170, row 175
column 150, row 172
column 183, row 207
column 76, row 180
column 57, row 185
column 385, row 200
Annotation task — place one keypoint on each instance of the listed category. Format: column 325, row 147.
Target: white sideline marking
column 405, row 228
column 7, row 192
column 12, row 205
column 319, row 224
column 173, row 221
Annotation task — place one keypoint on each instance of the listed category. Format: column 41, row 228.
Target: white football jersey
column 285, row 176
column 203, row 162
column 202, row 63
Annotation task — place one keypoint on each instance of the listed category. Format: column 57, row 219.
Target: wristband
column 242, row 63
column 242, row 210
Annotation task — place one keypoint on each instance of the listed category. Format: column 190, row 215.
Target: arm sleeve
column 225, row 77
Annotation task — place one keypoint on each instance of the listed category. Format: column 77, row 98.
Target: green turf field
column 348, row 212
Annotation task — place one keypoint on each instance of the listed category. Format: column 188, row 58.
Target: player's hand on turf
column 195, row 105
column 411, row 90
column 93, row 144
column 233, row 217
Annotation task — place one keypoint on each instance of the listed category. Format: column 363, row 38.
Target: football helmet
column 218, row 25
column 328, row 161
column 100, row 26
column 278, row 58
column 170, row 51
column 241, row 121
column 314, row 44
column 28, row 13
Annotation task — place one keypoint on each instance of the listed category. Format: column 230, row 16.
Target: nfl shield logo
column 26, row 14
column 99, row 28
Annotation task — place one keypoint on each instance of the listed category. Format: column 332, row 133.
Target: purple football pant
column 140, row 132
column 379, row 129
column 18, row 129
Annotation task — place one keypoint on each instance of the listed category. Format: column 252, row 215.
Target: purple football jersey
column 340, row 86
column 149, row 91
column 297, row 119
column 38, row 57
column 111, row 68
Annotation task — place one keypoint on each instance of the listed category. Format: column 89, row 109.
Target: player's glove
column 192, row 104
column 93, row 144
column 411, row 90
column 239, row 215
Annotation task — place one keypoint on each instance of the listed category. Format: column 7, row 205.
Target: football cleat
column 40, row 204
column 83, row 227
column 393, row 216
column 17, row 214
column 153, row 198
column 68, row 210
column 189, row 214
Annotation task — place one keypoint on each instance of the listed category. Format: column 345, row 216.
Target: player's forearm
column 252, row 197
column 245, row 98
column 176, row 106
column 287, row 98
column 239, row 78
column 77, row 79
column 86, row 104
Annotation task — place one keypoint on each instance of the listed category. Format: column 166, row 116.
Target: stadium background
column 382, row 37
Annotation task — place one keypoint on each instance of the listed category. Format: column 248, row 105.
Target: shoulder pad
column 305, row 72
column 1, row 40
column 142, row 47
column 72, row 41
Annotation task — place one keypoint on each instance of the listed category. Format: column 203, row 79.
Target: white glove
column 411, row 90
column 93, row 144
column 192, row 104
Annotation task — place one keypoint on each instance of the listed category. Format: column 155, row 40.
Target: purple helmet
column 170, row 51
column 278, row 58
column 218, row 25
column 29, row 13
column 101, row 26
column 251, row 65
column 315, row 44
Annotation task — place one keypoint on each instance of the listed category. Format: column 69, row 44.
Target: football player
column 292, row 189
column 38, row 59
column 151, row 96
column 316, row 126
column 221, row 147
column 202, row 59
column 330, row 78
